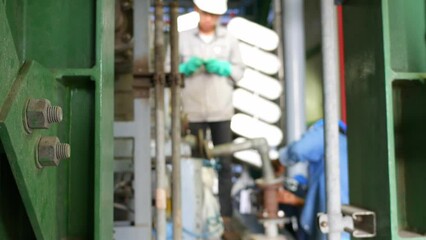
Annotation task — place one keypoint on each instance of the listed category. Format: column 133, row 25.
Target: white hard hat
column 217, row 7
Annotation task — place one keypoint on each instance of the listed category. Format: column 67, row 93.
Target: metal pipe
column 141, row 22
column 143, row 193
column 161, row 194
column 271, row 229
column 278, row 18
column 259, row 144
column 269, row 183
column 294, row 47
column 176, row 125
column 331, row 76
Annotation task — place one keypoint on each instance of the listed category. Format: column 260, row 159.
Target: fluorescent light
column 256, row 106
column 250, row 127
column 253, row 33
column 258, row 59
column 262, row 84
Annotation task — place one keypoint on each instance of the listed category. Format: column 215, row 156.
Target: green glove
column 219, row 67
column 192, row 65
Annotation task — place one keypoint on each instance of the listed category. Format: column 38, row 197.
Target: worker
column 211, row 63
column 310, row 148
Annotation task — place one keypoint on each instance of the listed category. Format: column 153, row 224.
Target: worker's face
column 208, row 21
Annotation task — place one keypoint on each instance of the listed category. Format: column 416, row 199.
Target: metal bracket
column 364, row 221
column 359, row 222
column 148, row 80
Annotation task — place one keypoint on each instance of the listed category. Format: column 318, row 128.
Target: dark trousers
column 221, row 133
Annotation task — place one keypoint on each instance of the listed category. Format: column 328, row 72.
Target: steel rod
column 176, row 124
column 331, row 108
column 295, row 64
column 161, row 194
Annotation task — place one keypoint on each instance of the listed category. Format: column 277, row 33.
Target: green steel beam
column 104, row 118
column 72, row 41
column 405, row 51
column 38, row 187
column 385, row 56
column 9, row 67
column 64, row 36
column 9, row 64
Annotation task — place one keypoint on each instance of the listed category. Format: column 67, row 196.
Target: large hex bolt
column 50, row 151
column 40, row 114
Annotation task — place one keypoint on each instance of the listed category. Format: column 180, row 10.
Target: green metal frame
column 385, row 54
column 61, row 51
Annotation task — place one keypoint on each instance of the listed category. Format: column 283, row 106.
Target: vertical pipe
column 331, row 76
column 271, row 229
column 141, row 22
column 143, row 193
column 176, row 128
column 278, row 29
column 161, row 195
column 294, row 46
column 263, row 148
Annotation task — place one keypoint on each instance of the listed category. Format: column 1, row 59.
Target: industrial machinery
column 58, row 62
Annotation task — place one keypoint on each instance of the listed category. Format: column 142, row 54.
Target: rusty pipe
column 176, row 124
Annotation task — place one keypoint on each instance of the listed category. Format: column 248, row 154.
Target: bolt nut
column 40, row 114
column 51, row 151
